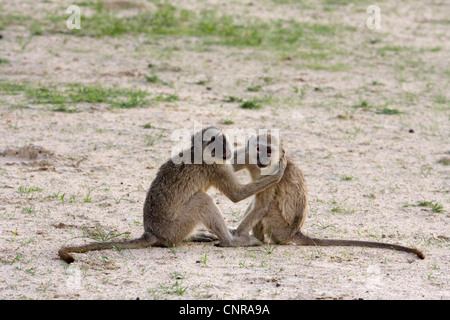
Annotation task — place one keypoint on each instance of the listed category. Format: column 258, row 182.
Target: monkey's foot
column 202, row 237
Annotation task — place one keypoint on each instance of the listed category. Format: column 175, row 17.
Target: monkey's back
column 172, row 187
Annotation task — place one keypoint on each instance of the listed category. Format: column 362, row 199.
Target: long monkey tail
column 142, row 242
column 302, row 239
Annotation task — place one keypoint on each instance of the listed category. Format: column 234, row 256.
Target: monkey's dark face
column 219, row 145
column 215, row 146
column 263, row 155
column 263, row 150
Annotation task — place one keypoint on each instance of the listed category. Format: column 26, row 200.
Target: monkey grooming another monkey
column 280, row 210
column 177, row 202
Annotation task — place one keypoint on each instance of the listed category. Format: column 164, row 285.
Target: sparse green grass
column 227, row 122
column 3, row 60
column 23, row 189
column 208, row 25
column 362, row 105
column 388, row 111
column 166, row 98
column 440, row 98
column 100, row 235
column 233, row 99
column 76, row 93
column 63, row 108
column 152, row 139
column 254, row 88
column 433, row 205
column 148, row 126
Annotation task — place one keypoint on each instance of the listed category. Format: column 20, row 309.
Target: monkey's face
column 215, row 146
column 263, row 150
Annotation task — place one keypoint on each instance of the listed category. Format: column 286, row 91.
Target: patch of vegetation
column 254, row 88
column 100, row 235
column 250, row 105
column 167, row 98
column 233, row 99
column 388, row 111
column 435, row 206
column 63, row 108
column 362, row 105
column 148, row 126
column 333, row 68
column 76, row 93
column 23, row 189
column 212, row 27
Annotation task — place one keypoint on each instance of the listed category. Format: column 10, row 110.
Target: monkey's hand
column 243, row 240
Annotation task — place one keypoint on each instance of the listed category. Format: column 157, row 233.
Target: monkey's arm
column 252, row 218
column 227, row 183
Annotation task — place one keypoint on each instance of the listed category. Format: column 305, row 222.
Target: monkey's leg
column 199, row 210
column 258, row 231
column 202, row 236
column 255, row 212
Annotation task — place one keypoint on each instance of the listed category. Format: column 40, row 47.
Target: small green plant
column 100, row 235
column 425, row 171
column 250, row 105
column 227, row 122
column 63, row 108
column 233, row 99
column 176, row 288
column 346, row 178
column 167, row 98
column 148, row 126
column 88, row 197
column 268, row 249
column 3, row 60
column 152, row 79
column 204, row 259
column 151, row 140
column 28, row 210
column 388, row 111
column 254, row 88
column 362, row 105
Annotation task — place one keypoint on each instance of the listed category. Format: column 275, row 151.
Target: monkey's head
column 264, row 149
column 212, row 144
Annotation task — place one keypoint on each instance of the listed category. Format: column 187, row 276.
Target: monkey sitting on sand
column 278, row 212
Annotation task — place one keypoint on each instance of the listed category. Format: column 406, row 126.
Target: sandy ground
column 64, row 176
